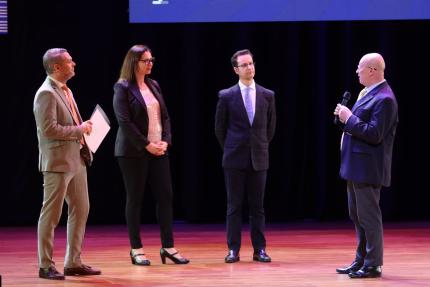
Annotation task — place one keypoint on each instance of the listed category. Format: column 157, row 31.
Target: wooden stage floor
column 303, row 255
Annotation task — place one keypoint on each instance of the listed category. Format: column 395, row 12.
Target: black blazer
column 239, row 140
column 132, row 116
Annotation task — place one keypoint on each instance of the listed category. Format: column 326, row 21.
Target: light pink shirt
column 153, row 109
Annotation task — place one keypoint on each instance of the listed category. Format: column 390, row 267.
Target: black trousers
column 138, row 174
column 238, row 182
column 364, row 211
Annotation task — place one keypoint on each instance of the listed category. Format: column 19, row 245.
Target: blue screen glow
column 185, row 11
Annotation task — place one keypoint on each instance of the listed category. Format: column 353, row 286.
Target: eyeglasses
column 251, row 64
column 146, row 61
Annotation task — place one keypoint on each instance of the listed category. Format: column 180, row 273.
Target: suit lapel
column 258, row 101
column 155, row 91
column 368, row 97
column 76, row 108
column 238, row 102
column 363, row 100
column 62, row 96
column 59, row 93
column 136, row 93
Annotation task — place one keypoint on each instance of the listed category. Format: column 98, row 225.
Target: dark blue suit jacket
column 369, row 137
column 239, row 140
column 132, row 116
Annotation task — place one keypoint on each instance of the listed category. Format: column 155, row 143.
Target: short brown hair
column 240, row 53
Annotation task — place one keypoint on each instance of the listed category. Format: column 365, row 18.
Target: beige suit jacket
column 58, row 135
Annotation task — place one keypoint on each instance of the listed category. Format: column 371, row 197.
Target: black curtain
column 308, row 64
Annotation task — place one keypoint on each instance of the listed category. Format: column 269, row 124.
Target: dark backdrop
column 308, row 64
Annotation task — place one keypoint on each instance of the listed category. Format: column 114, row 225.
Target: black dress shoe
column 81, row 270
column 232, row 257
column 354, row 267
column 50, row 273
column 367, row 272
column 164, row 253
column 137, row 261
column 261, row 256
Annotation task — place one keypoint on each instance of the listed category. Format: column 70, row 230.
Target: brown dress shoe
column 81, row 270
column 50, row 273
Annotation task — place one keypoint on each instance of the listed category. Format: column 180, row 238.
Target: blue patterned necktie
column 248, row 104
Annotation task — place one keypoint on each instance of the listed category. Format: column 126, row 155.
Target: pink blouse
column 153, row 108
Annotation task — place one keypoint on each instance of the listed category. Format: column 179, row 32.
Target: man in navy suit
column 244, row 126
column 366, row 150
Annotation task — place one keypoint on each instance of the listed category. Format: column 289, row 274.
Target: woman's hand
column 157, row 148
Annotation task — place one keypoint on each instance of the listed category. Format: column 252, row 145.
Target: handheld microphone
column 345, row 98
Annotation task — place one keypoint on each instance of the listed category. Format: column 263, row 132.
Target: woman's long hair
column 130, row 62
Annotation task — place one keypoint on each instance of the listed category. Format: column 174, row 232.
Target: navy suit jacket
column 132, row 116
column 240, row 140
column 369, row 137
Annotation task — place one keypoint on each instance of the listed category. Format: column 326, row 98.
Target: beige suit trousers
column 71, row 187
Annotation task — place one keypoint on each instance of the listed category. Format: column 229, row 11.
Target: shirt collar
column 58, row 83
column 368, row 89
column 242, row 86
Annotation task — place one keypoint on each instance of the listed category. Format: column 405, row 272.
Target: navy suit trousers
column 252, row 183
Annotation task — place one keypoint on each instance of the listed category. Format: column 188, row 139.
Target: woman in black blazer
column 141, row 149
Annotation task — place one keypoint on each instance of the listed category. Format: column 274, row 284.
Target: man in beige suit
column 63, row 156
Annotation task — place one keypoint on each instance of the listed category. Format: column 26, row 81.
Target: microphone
column 345, row 98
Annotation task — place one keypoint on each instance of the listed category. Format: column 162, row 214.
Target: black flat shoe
column 137, row 261
column 164, row 254
column 367, row 272
column 354, row 267
column 50, row 273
